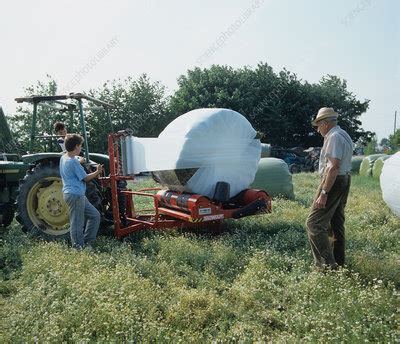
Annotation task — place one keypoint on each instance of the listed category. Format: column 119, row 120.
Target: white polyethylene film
column 219, row 142
column 390, row 183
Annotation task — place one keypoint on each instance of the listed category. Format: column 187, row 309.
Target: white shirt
column 61, row 143
column 337, row 144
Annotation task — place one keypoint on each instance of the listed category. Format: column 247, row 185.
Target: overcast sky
column 84, row 43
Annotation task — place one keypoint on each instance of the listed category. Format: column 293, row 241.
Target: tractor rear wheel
column 6, row 214
column 41, row 209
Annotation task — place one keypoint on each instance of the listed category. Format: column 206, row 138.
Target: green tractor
column 33, row 188
column 11, row 171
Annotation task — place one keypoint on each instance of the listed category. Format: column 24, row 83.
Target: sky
column 82, row 44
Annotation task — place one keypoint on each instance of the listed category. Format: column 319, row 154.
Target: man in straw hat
column 326, row 218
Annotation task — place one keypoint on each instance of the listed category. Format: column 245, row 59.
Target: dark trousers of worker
column 325, row 227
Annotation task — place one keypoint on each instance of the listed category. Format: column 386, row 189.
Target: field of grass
column 254, row 282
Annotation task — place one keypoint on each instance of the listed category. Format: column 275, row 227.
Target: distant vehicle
column 298, row 159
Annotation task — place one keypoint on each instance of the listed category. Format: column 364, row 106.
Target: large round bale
column 390, row 183
column 274, row 177
column 378, row 165
column 368, row 163
column 356, row 163
column 219, row 146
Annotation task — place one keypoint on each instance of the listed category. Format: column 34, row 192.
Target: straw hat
column 325, row 113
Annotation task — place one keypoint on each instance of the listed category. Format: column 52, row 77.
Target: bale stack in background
column 368, row 163
column 378, row 165
column 356, row 163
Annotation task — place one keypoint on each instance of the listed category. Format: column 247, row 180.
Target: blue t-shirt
column 72, row 174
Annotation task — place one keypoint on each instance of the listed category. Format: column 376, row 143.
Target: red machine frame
column 198, row 210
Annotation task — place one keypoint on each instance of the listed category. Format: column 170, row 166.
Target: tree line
column 280, row 106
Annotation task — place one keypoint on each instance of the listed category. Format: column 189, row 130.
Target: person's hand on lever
column 99, row 169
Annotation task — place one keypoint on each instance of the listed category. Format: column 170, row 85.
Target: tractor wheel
column 41, row 209
column 6, row 214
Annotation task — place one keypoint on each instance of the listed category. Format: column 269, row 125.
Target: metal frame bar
column 93, row 100
column 37, row 100
column 33, row 128
column 57, row 98
column 83, row 127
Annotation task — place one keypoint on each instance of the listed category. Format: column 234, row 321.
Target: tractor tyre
column 93, row 194
column 41, row 209
column 6, row 214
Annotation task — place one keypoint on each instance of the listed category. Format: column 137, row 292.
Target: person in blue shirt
column 84, row 217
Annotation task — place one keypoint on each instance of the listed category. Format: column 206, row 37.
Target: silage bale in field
column 378, row 165
column 356, row 162
column 210, row 145
column 390, row 183
column 265, row 150
column 274, row 177
column 368, row 163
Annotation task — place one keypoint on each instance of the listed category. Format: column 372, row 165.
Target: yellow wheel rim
column 46, row 207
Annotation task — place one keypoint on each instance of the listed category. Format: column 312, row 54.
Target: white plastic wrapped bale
column 390, row 183
column 356, row 163
column 199, row 149
column 368, row 163
column 378, row 165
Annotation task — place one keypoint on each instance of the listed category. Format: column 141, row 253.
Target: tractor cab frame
column 62, row 106
column 39, row 202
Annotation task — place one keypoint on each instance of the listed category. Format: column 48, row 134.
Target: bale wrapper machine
column 172, row 209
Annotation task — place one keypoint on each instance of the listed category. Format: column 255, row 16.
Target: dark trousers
column 325, row 227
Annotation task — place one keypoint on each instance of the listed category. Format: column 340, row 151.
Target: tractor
column 298, row 159
column 11, row 172
column 42, row 211
column 32, row 187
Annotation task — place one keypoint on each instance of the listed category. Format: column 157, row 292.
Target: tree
column 395, row 140
column 21, row 122
column 141, row 106
column 281, row 106
column 335, row 94
column 372, row 147
column 385, row 145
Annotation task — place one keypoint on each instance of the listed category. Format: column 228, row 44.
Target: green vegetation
column 395, row 142
column 280, row 106
column 253, row 282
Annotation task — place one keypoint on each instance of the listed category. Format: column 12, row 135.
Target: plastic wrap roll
column 378, row 165
column 368, row 163
column 390, row 183
column 274, row 177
